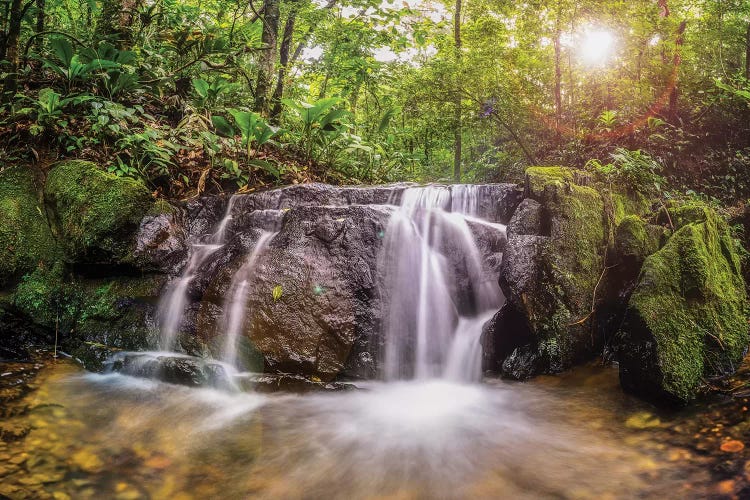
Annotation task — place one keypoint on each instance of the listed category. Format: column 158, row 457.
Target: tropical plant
column 321, row 124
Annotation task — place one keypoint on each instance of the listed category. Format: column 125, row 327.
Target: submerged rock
column 687, row 318
column 171, row 368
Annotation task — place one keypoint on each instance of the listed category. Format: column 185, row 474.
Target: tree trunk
column 747, row 53
column 115, row 21
column 268, row 56
column 286, row 43
column 9, row 45
column 676, row 61
column 40, row 12
column 457, row 111
column 558, row 83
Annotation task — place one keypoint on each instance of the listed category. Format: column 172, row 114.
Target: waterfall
column 433, row 323
column 172, row 304
column 235, row 308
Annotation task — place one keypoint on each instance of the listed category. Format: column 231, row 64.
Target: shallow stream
column 70, row 434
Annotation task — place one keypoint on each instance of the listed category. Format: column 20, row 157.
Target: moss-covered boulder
column 635, row 240
column 94, row 214
column 549, row 278
column 687, row 320
column 621, row 204
column 25, row 237
column 115, row 314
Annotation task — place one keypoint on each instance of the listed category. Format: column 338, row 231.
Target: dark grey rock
column 527, row 219
column 171, row 368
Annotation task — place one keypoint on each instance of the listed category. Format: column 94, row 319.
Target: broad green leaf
column 222, row 126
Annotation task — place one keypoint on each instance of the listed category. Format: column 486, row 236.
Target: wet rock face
column 173, row 369
column 323, row 263
column 160, row 244
column 551, row 265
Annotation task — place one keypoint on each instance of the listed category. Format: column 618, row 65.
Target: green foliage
column 107, row 65
column 607, row 120
column 319, row 125
column 48, row 109
column 208, row 94
column 255, row 131
column 635, row 170
column 146, row 153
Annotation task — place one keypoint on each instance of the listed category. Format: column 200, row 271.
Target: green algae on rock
column 25, row 237
column 95, row 214
column 560, row 268
column 687, row 318
column 635, row 239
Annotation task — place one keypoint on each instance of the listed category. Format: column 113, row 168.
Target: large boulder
column 313, row 306
column 25, row 238
column 551, row 267
column 93, row 213
column 687, row 319
column 161, row 241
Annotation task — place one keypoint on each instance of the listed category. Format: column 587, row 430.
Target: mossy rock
column 47, row 299
column 623, row 204
column 635, row 239
column 95, row 214
column 537, row 178
column 115, row 314
column 549, row 278
column 687, row 320
column 681, row 214
column 25, row 237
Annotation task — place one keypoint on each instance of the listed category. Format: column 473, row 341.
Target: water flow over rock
column 235, row 310
column 439, row 292
column 172, row 303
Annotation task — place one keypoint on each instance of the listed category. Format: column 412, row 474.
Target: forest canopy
column 196, row 95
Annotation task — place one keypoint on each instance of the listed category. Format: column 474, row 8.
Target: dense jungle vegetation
column 211, row 95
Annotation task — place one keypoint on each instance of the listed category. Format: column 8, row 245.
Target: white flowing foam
column 235, row 308
column 172, row 303
column 427, row 250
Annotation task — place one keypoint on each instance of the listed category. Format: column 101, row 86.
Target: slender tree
column 457, row 110
column 267, row 61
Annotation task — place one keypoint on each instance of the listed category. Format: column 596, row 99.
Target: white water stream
column 235, row 307
column 427, row 250
column 172, row 303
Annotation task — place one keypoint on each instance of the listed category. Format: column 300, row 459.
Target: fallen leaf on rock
column 732, row 446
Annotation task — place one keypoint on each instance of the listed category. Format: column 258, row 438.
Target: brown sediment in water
column 64, row 434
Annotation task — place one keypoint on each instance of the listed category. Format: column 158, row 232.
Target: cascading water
column 235, row 309
column 172, row 304
column 433, row 437
column 438, row 293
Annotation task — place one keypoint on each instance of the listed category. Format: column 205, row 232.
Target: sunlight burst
column 596, row 47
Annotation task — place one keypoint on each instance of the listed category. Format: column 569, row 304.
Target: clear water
column 114, row 436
